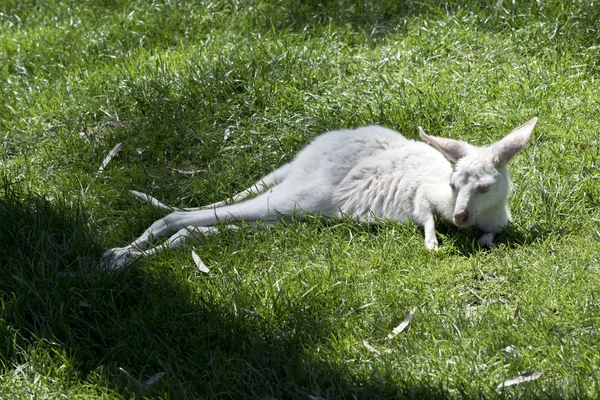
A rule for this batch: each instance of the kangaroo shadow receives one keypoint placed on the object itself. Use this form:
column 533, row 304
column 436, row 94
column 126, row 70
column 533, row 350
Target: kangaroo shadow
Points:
column 464, row 242
column 145, row 331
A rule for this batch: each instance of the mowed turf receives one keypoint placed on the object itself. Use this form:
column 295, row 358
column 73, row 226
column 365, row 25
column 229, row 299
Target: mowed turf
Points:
column 230, row 90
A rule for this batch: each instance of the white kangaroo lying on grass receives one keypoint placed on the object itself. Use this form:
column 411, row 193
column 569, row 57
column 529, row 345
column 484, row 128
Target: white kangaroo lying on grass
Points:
column 369, row 173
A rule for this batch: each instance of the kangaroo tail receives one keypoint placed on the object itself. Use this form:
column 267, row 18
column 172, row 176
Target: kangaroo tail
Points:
column 259, row 187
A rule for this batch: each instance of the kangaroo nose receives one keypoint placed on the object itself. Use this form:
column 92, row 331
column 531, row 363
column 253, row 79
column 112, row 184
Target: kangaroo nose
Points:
column 461, row 218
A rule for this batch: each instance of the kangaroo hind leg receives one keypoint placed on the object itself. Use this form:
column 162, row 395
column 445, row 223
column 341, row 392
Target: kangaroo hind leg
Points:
column 284, row 200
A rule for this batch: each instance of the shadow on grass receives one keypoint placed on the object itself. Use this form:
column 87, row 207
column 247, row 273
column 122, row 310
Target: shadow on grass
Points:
column 576, row 21
column 125, row 327
column 464, row 241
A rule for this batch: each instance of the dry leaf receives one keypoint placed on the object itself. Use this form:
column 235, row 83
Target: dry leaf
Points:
column 155, row 378
column 397, row 330
column 235, row 147
column 584, row 146
column 250, row 312
column 476, row 295
column 498, row 6
column 114, row 151
column 386, row 60
column 146, row 198
column 525, row 377
column 199, row 263
column 83, row 304
column 371, row 348
column 183, row 172
column 86, row 133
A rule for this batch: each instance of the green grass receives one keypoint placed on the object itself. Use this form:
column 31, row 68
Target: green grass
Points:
column 284, row 311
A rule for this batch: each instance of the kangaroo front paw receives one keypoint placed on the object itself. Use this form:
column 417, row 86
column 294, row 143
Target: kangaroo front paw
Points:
column 431, row 244
column 118, row 257
column 487, row 240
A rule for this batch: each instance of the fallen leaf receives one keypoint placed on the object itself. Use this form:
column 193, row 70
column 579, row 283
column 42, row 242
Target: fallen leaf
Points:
column 114, row 151
column 183, row 172
column 498, row 6
column 525, row 377
column 370, row 348
column 83, row 304
column 386, row 60
column 250, row 312
column 86, row 133
column 235, row 147
column 476, row 295
column 397, row 330
column 585, row 146
column 516, row 312
column 155, row 378
column 199, row 263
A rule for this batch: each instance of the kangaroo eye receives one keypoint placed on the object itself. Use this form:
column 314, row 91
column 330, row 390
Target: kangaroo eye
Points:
column 483, row 189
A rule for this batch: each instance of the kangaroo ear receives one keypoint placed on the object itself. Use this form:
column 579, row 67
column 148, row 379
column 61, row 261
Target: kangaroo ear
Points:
column 511, row 144
column 452, row 149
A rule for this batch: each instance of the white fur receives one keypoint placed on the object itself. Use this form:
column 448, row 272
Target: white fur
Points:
column 369, row 173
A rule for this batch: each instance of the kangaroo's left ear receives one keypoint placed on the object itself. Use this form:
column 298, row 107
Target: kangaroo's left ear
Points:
column 511, row 144
column 452, row 149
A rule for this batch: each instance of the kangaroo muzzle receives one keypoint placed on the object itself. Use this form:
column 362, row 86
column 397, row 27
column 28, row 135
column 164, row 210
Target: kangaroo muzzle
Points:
column 461, row 218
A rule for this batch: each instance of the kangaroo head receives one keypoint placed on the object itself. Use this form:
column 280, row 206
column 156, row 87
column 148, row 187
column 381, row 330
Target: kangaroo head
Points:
column 480, row 180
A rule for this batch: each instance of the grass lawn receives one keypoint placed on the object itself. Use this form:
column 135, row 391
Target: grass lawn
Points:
column 232, row 89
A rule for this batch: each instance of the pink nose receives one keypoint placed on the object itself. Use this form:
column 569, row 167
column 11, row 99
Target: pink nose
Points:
column 461, row 218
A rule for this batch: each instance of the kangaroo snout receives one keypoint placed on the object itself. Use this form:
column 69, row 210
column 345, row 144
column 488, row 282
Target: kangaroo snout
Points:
column 461, row 218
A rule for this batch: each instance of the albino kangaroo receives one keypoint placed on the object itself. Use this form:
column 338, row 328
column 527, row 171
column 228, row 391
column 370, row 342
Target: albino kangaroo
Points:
column 369, row 173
